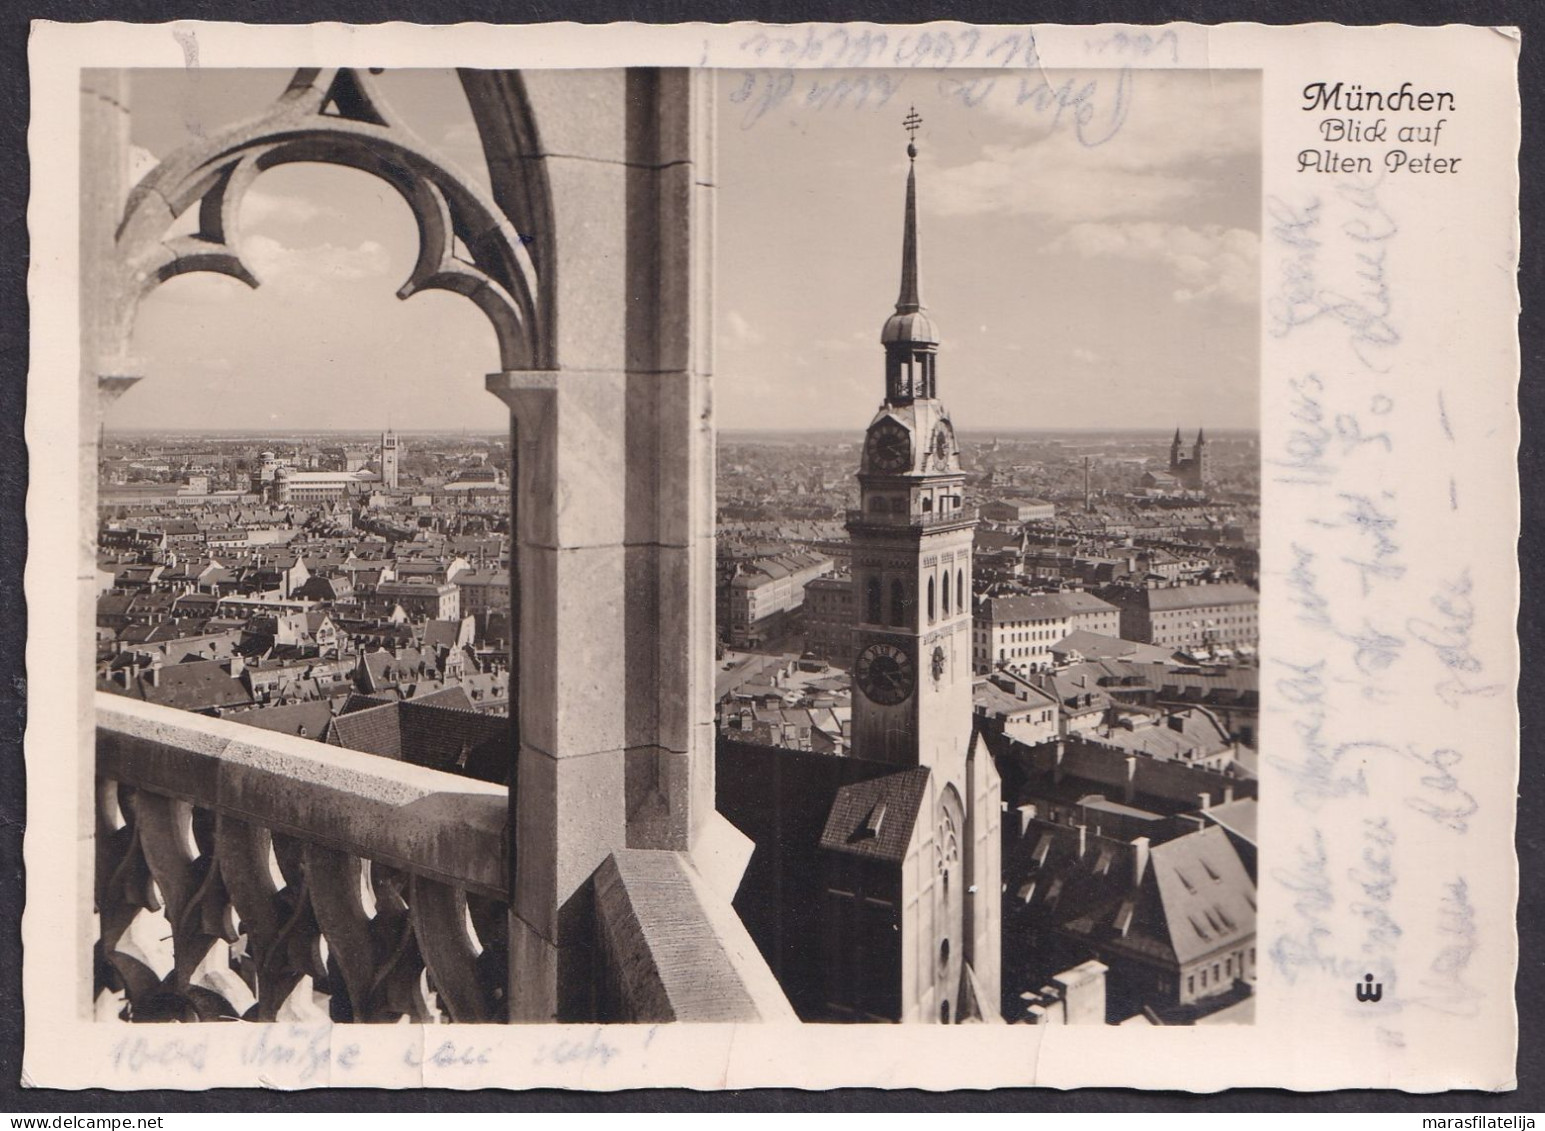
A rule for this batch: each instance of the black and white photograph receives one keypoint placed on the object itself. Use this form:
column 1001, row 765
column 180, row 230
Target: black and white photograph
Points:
column 828, row 532
column 984, row 686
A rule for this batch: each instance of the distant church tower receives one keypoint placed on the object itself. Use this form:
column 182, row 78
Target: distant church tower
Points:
column 912, row 542
column 1195, row 471
column 389, row 459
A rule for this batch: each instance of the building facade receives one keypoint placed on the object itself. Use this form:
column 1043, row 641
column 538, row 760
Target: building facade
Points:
column 1021, row 631
column 754, row 601
column 829, row 616
column 1189, row 616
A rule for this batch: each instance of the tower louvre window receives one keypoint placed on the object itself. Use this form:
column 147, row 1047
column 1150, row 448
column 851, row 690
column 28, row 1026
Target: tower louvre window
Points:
column 930, row 601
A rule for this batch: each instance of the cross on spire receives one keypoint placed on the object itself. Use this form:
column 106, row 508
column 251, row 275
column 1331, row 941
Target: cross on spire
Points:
column 912, row 123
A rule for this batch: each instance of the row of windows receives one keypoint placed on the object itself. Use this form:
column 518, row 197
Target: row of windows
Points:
column 1222, row 973
column 901, row 605
column 901, row 504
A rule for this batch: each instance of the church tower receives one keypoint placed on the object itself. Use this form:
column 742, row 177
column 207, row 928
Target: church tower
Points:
column 912, row 543
column 389, row 459
column 1201, row 465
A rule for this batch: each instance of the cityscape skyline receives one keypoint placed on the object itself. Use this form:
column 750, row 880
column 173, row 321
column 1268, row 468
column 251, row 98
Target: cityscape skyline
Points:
column 977, row 705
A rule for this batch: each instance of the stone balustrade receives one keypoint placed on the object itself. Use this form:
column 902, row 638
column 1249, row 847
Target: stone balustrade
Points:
column 271, row 859
column 928, row 521
column 242, row 873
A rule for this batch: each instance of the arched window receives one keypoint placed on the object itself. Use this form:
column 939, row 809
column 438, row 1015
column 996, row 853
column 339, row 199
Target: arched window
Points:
column 960, row 589
column 873, row 615
column 946, row 593
column 930, row 601
column 898, row 603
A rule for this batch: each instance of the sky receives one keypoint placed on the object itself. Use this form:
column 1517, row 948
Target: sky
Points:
column 1088, row 245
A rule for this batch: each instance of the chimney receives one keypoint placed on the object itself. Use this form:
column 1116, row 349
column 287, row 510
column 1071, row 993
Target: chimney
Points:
column 1206, row 797
column 238, row 665
column 155, row 673
column 1056, row 771
column 1139, row 859
column 1129, row 792
column 1083, row 840
column 1228, row 794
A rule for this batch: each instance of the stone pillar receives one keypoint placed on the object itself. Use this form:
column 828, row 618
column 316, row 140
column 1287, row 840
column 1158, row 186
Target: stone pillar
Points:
column 103, row 346
column 613, row 499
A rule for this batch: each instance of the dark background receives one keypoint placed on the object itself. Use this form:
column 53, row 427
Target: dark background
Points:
column 14, row 175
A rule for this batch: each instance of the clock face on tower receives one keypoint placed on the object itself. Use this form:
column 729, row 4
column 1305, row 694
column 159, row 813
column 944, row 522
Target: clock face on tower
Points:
column 884, row 673
column 890, row 447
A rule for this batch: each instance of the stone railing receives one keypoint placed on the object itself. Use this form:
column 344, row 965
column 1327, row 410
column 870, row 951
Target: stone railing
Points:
column 271, row 860
column 928, row 521
column 242, row 873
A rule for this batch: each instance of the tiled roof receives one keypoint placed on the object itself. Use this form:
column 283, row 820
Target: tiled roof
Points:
column 356, row 702
column 374, row 731
column 426, row 733
column 289, row 719
column 875, row 818
column 453, row 697
column 194, row 687
column 441, row 633
column 1199, row 596
column 458, row 741
column 1043, row 606
column 1098, row 646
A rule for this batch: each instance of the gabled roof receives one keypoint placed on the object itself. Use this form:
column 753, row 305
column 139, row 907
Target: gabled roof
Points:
column 1238, row 817
column 1208, row 898
column 308, row 719
column 428, row 732
column 374, row 731
column 196, row 686
column 875, row 818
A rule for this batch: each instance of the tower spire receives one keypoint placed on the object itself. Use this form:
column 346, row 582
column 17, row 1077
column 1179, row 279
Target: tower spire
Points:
column 908, row 301
column 909, row 337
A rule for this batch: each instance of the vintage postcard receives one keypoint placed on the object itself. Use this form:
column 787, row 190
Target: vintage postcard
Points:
column 741, row 555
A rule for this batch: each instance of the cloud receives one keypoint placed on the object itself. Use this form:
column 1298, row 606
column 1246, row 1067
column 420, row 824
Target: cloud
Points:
column 1040, row 181
column 741, row 332
column 1088, row 357
column 1207, row 261
column 1181, row 134
column 308, row 270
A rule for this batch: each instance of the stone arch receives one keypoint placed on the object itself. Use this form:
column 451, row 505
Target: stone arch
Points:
column 337, row 117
